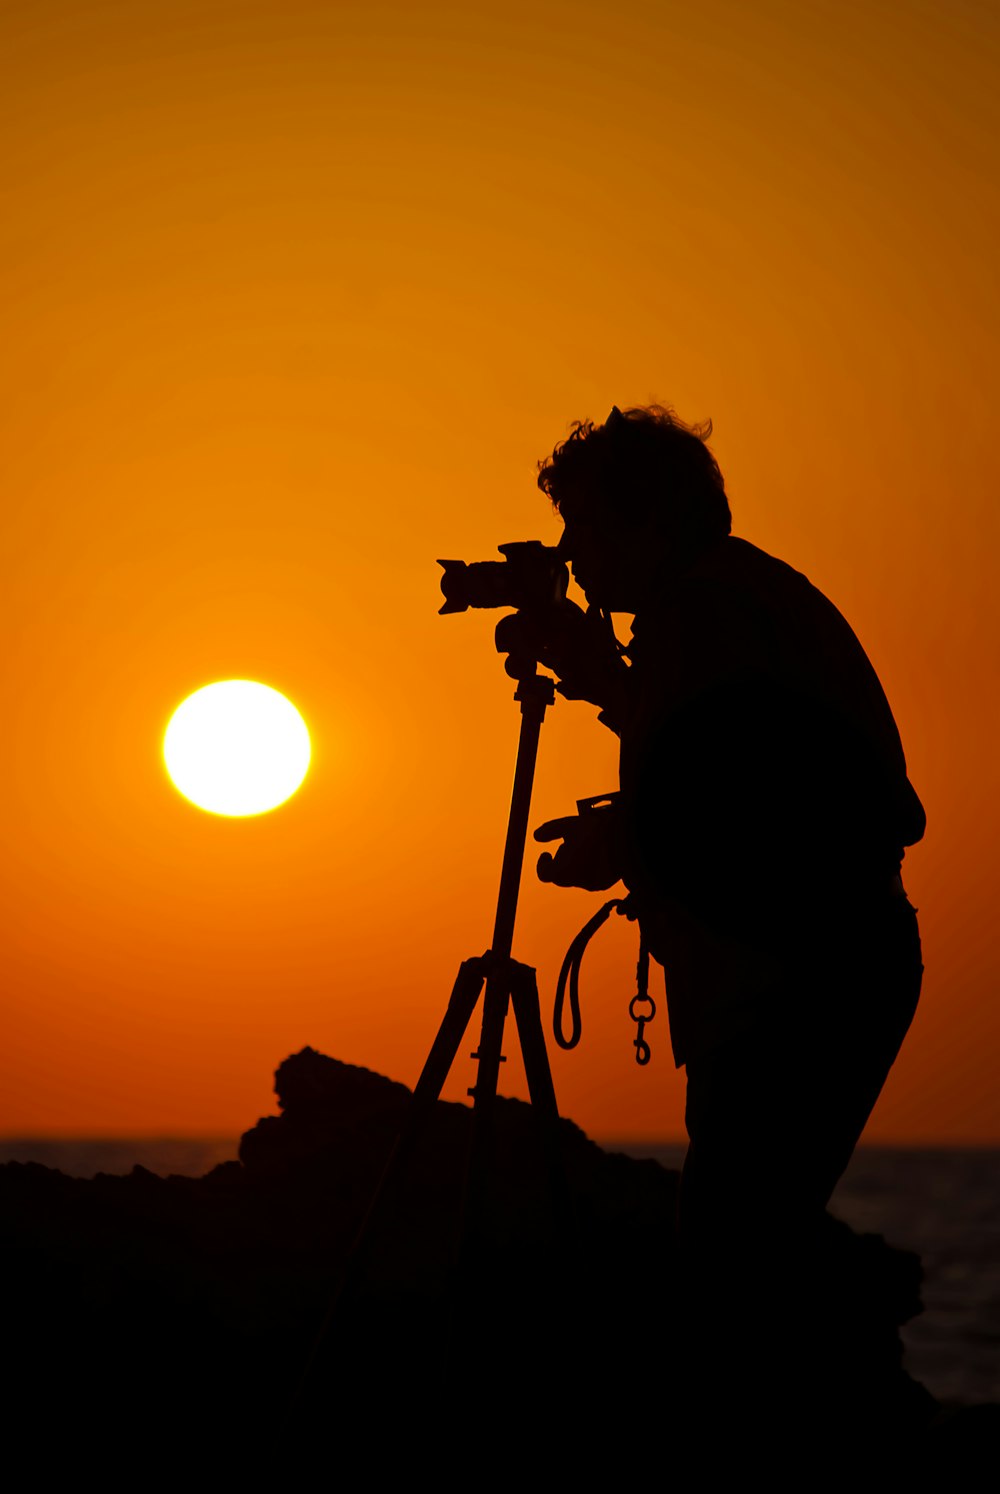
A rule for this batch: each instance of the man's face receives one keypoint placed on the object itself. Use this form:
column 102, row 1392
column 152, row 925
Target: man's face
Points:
column 607, row 562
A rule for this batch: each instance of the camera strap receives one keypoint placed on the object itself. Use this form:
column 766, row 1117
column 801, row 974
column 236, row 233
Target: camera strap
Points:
column 642, row 1007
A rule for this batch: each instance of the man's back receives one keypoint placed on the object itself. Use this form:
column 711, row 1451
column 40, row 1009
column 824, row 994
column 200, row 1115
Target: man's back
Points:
column 763, row 778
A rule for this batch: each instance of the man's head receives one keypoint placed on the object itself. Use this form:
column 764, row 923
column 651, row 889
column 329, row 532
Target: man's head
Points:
column 641, row 496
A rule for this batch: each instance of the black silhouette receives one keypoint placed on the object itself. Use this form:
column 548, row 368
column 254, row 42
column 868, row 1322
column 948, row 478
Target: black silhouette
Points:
column 154, row 1320
column 760, row 827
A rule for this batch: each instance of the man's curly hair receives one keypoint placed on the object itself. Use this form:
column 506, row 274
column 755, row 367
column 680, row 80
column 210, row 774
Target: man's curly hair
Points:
column 640, row 462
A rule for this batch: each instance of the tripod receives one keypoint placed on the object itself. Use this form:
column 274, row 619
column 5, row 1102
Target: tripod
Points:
column 507, row 983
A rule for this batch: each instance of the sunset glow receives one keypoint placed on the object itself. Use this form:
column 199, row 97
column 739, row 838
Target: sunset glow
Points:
column 295, row 298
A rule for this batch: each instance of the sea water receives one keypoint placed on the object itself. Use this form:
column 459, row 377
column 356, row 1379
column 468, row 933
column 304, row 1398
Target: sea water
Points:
column 944, row 1204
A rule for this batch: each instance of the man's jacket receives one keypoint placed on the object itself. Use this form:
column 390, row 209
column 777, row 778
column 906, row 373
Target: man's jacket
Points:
column 764, row 788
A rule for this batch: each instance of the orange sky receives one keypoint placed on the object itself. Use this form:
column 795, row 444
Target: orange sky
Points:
column 294, row 298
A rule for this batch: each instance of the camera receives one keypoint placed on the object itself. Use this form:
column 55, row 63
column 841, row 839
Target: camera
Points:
column 530, row 575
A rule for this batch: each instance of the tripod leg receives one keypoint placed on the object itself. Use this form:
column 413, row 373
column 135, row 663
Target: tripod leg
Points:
column 444, row 1050
column 489, row 1057
column 489, row 1054
column 427, row 1091
column 513, row 984
column 527, row 1014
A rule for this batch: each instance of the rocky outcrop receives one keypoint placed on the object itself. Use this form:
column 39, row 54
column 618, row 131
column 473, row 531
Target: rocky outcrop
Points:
column 195, row 1304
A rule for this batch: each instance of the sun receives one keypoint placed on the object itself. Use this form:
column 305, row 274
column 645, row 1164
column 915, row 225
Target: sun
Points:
column 236, row 748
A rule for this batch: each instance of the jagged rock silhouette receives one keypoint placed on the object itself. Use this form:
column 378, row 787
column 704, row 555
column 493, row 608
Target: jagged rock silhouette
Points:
column 194, row 1302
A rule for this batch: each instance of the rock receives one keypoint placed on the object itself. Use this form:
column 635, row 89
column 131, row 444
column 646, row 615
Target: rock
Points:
column 142, row 1299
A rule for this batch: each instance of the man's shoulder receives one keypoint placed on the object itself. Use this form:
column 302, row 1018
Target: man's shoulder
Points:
column 740, row 611
column 714, row 622
column 782, row 624
column 735, row 560
column 734, row 584
column 742, row 578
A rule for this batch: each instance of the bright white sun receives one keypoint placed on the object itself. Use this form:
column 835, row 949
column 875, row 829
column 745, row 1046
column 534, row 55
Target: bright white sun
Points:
column 236, row 748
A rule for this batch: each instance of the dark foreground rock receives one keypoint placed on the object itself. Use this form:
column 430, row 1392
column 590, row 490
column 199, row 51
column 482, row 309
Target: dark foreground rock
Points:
column 177, row 1318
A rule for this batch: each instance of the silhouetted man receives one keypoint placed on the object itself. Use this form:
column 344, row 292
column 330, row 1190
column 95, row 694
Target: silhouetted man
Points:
column 761, row 825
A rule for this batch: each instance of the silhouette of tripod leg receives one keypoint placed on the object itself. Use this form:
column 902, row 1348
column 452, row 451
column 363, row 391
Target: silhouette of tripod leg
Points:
column 510, row 984
column 528, row 1016
column 427, row 1091
column 489, row 1057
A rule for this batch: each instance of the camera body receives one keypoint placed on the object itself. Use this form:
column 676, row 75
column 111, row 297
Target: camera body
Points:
column 530, row 575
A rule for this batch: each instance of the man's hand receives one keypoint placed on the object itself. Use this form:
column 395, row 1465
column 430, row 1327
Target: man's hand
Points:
column 579, row 647
column 590, row 855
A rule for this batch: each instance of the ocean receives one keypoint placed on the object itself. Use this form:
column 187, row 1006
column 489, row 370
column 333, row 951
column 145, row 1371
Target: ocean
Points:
column 943, row 1203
